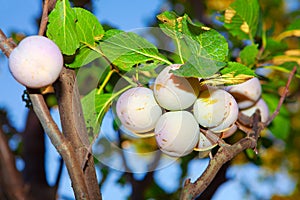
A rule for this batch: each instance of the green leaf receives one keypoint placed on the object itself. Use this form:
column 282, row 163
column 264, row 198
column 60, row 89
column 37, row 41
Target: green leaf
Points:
column 241, row 18
column 61, row 28
column 280, row 126
column 233, row 73
column 248, row 55
column 94, row 107
column 128, row 49
column 88, row 27
column 236, row 69
column 199, row 66
column 83, row 56
column 202, row 50
column 295, row 25
column 274, row 47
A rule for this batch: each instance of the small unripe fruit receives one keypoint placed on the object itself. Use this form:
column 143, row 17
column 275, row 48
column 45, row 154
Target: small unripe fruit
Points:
column 138, row 110
column 215, row 109
column 177, row 133
column 173, row 92
column 36, row 62
column 263, row 108
column 247, row 93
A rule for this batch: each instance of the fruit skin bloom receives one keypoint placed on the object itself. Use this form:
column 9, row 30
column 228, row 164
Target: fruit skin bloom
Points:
column 247, row 93
column 173, row 92
column 36, row 62
column 137, row 110
column 177, row 133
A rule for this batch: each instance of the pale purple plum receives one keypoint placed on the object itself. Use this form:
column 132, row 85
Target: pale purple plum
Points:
column 36, row 62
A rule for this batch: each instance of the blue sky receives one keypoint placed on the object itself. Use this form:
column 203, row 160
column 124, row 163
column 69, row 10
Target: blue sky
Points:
column 20, row 15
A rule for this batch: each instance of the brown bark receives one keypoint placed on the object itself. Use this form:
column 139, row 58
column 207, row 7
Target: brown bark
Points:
column 74, row 127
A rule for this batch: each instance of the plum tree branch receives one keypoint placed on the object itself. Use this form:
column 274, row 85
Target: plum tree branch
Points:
column 224, row 154
column 50, row 127
column 61, row 144
column 74, row 127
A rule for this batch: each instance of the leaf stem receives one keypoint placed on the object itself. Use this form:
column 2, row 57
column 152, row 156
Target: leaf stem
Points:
column 110, row 73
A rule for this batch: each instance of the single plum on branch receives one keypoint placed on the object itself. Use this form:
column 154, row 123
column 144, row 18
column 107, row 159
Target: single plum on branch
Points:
column 36, row 62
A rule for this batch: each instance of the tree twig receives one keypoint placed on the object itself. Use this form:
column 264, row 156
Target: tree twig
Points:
column 6, row 44
column 283, row 96
column 61, row 144
column 44, row 19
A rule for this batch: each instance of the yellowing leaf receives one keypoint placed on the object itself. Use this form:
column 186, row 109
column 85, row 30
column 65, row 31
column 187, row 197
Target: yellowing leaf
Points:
column 278, row 60
column 227, row 79
column 241, row 18
column 229, row 14
column 245, row 28
column 292, row 52
column 290, row 33
column 219, row 4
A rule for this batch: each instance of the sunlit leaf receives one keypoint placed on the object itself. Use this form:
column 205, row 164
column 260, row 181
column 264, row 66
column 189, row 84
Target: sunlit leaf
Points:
column 241, row 18
column 83, row 56
column 236, row 69
column 61, row 28
column 94, row 107
column 88, row 27
column 248, row 55
column 233, row 73
column 128, row 49
column 201, row 50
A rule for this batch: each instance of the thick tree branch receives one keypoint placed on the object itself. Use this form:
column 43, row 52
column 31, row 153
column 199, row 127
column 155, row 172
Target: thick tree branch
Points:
column 11, row 178
column 224, row 154
column 71, row 115
column 58, row 140
column 74, row 127
column 62, row 145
